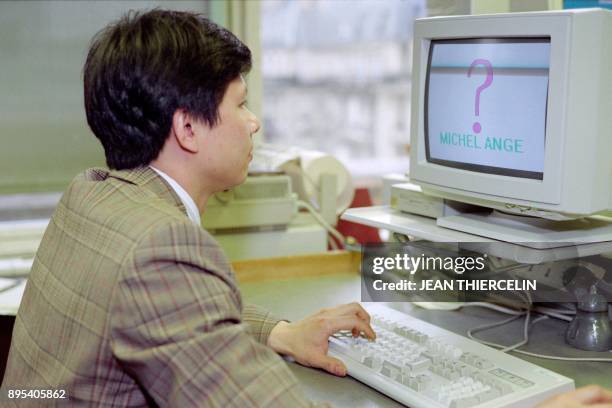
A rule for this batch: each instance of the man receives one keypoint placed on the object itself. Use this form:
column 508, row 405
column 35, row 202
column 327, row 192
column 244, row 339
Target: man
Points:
column 129, row 302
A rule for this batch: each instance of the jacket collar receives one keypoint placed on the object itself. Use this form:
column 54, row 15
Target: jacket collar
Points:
column 149, row 179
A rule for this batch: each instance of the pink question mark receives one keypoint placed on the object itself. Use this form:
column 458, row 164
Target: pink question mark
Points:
column 476, row 126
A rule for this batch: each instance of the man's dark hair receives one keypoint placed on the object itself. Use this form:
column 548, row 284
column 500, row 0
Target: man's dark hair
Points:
column 142, row 68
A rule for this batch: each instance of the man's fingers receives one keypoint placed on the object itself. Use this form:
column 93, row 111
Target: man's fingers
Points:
column 592, row 394
column 352, row 323
column 329, row 364
column 354, row 308
column 363, row 315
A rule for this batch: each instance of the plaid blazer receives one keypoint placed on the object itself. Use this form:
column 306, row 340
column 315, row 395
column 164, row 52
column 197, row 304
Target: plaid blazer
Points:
column 131, row 304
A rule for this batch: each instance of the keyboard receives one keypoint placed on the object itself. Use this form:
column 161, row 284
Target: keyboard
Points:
column 424, row 366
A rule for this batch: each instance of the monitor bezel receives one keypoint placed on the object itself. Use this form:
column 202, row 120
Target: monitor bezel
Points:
column 486, row 186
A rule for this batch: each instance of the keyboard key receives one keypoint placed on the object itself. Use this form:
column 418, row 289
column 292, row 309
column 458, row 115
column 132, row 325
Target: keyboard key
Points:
column 386, row 371
column 392, row 366
column 483, row 364
column 372, row 362
column 420, row 364
column 435, row 358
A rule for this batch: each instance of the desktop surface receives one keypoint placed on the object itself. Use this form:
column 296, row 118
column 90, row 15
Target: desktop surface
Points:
column 294, row 298
column 272, row 286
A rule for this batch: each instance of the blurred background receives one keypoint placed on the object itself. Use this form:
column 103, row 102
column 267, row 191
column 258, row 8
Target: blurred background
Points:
column 330, row 75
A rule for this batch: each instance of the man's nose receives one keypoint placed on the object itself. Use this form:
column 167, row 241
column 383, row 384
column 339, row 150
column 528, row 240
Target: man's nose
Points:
column 255, row 124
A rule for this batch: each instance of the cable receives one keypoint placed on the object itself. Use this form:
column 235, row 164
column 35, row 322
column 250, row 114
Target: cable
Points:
column 550, row 312
column 546, row 313
column 490, row 326
column 544, row 356
column 525, row 333
column 554, row 314
column 307, row 178
column 332, row 231
column 513, row 347
column 471, row 332
column 493, row 306
column 593, row 359
column 526, row 327
column 560, row 311
column 332, row 242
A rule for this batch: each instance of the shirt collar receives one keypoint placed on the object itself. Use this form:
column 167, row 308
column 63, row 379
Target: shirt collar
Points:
column 190, row 205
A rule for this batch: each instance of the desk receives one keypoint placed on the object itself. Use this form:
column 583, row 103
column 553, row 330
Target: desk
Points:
column 295, row 297
column 294, row 287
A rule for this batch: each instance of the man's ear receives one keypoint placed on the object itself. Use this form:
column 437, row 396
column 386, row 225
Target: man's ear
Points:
column 183, row 130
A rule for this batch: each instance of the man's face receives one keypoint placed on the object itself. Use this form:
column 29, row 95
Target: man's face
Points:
column 228, row 147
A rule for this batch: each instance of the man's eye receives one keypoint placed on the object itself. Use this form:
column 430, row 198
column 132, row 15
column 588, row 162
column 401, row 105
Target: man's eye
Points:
column 243, row 104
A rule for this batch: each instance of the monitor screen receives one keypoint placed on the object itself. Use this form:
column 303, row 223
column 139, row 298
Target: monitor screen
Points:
column 485, row 105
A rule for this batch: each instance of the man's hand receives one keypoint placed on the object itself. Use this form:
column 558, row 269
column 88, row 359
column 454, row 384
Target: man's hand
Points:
column 306, row 341
column 591, row 396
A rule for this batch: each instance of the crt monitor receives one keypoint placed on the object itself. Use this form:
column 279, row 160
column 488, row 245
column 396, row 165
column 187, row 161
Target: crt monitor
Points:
column 513, row 111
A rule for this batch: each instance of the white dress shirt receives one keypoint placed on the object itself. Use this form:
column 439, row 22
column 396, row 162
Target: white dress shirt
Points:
column 190, row 205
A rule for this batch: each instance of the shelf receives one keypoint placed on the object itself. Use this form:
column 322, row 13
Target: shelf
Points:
column 384, row 217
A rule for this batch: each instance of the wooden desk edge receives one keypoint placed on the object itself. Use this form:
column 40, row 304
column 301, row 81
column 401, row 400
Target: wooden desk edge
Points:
column 326, row 263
